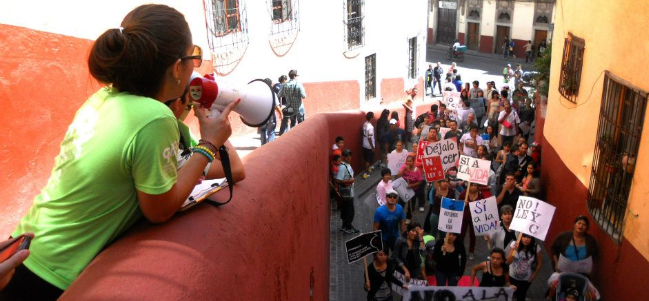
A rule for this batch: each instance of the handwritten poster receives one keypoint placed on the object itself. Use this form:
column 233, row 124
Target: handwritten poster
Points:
column 446, row 149
column 532, row 217
column 450, row 216
column 458, row 293
column 484, row 214
column 412, row 283
column 473, row 170
column 433, row 169
column 452, row 101
column 401, row 187
column 420, row 151
column 443, row 131
column 396, row 160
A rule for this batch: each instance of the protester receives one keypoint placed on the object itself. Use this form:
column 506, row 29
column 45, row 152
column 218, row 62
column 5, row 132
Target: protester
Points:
column 126, row 144
column 458, row 82
column 493, row 109
column 509, row 120
column 433, row 135
column 368, row 144
column 495, row 271
column 517, row 160
column 450, row 259
column 454, row 132
column 490, row 134
column 531, row 183
column 437, row 78
column 418, row 132
column 384, row 186
column 335, row 166
column 410, row 113
column 508, row 193
column 345, row 180
column 390, row 219
column 501, row 157
column 574, row 246
column 409, row 249
column 535, row 152
column 294, row 93
column 414, row 177
column 470, row 141
column 474, row 194
column 469, row 121
column 519, row 96
column 380, row 274
column 382, row 127
column 399, row 149
column 393, row 135
column 526, row 114
column 502, row 238
column 521, row 260
column 435, row 195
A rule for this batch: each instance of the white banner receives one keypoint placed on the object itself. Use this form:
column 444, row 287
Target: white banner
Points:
column 484, row 214
column 401, row 187
column 472, row 293
column 396, row 160
column 452, row 101
column 474, row 170
column 450, row 216
column 532, row 217
column 446, row 149
column 411, row 284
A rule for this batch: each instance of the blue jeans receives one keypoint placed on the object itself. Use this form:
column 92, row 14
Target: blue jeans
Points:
column 443, row 277
column 267, row 133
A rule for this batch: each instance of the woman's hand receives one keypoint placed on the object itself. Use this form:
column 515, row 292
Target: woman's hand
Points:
column 216, row 129
column 367, row 285
column 407, row 274
column 8, row 266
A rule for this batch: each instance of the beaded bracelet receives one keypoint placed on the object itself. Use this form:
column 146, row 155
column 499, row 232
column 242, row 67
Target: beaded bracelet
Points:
column 208, row 146
column 206, row 150
column 204, row 153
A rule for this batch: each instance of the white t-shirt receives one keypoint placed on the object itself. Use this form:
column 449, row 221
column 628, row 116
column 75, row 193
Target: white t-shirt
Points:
column 512, row 119
column 468, row 142
column 521, row 267
column 368, row 132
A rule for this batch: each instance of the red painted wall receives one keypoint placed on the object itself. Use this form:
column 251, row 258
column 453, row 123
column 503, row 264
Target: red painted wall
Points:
column 620, row 269
column 487, row 44
column 519, row 48
column 460, row 36
column 431, row 37
column 393, row 89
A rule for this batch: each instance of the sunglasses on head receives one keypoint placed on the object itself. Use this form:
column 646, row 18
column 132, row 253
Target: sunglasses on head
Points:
column 393, row 196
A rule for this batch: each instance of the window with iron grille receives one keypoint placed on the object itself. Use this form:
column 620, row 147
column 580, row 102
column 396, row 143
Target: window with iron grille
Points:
column 370, row 76
column 618, row 139
column 281, row 10
column 573, row 57
column 412, row 57
column 225, row 17
column 355, row 32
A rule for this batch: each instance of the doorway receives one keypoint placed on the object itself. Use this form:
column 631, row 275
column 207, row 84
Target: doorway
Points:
column 446, row 19
column 473, row 32
column 502, row 33
column 539, row 35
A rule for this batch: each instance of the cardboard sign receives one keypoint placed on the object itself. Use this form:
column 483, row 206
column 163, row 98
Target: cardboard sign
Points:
column 364, row 244
column 450, row 216
column 412, row 283
column 420, row 151
column 452, row 101
column 473, row 293
column 474, row 170
column 433, row 169
column 446, row 149
column 484, row 214
column 401, row 187
column 443, row 131
column 532, row 217
column 478, row 106
column 396, row 160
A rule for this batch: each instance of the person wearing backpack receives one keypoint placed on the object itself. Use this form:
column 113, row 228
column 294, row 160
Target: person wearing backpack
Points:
column 345, row 179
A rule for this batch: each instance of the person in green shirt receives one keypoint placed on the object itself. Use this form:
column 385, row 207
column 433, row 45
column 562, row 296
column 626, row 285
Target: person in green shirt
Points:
column 118, row 159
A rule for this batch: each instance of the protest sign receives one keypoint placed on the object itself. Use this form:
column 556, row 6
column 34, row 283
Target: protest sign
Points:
column 478, row 106
column 473, row 170
column 446, row 149
column 362, row 245
column 401, row 187
column 412, row 283
column 452, row 101
column 472, row 293
column 443, row 131
column 420, row 151
column 484, row 214
column 396, row 160
column 433, row 169
column 584, row 266
column 532, row 217
column 450, row 216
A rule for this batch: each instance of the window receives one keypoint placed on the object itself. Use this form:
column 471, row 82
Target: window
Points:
column 370, row 76
column 355, row 23
column 281, row 10
column 573, row 56
column 616, row 150
column 412, row 58
column 225, row 17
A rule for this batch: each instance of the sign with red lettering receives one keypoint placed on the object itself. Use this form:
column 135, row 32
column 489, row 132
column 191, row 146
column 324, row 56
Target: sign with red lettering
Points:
column 433, row 169
column 420, row 151
column 473, row 170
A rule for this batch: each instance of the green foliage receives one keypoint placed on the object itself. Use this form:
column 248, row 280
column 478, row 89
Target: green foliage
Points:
column 542, row 65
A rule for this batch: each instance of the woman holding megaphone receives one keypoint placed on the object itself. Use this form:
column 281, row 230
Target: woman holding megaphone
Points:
column 118, row 160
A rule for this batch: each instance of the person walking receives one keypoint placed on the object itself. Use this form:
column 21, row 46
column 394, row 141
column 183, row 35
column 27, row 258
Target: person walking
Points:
column 345, row 180
column 380, row 274
column 368, row 144
column 521, row 260
column 294, row 93
column 528, row 51
column 437, row 74
column 409, row 250
column 450, row 258
column 390, row 219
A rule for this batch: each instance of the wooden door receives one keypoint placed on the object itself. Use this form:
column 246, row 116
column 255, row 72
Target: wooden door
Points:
column 473, row 41
column 446, row 30
column 502, row 33
column 539, row 35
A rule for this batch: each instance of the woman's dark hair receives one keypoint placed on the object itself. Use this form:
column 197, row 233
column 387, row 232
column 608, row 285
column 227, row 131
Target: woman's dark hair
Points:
column 339, row 138
column 583, row 218
column 536, row 173
column 135, row 57
column 530, row 251
column 498, row 251
column 282, row 79
column 394, row 115
column 336, row 157
column 385, row 171
column 384, row 114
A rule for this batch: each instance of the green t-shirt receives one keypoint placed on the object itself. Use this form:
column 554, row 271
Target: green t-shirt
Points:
column 116, row 145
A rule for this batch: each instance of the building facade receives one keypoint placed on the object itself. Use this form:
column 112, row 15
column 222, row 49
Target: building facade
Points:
column 595, row 144
column 483, row 25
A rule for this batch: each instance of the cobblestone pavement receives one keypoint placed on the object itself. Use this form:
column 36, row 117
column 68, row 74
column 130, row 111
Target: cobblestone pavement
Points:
column 346, row 280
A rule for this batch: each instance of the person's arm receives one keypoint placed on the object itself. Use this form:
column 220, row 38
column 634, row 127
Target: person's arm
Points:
column 512, row 253
column 342, row 171
column 278, row 109
column 475, row 269
column 216, row 168
column 501, row 194
column 539, row 264
column 302, row 91
column 8, row 266
column 376, row 226
column 502, row 117
column 158, row 208
column 534, row 187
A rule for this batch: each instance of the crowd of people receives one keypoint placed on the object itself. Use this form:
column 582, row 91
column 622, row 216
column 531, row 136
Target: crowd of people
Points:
column 499, row 133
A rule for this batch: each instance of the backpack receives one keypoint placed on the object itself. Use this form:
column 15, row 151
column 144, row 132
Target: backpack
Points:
column 420, row 119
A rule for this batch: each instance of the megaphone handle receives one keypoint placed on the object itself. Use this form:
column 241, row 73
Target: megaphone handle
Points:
column 227, row 169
